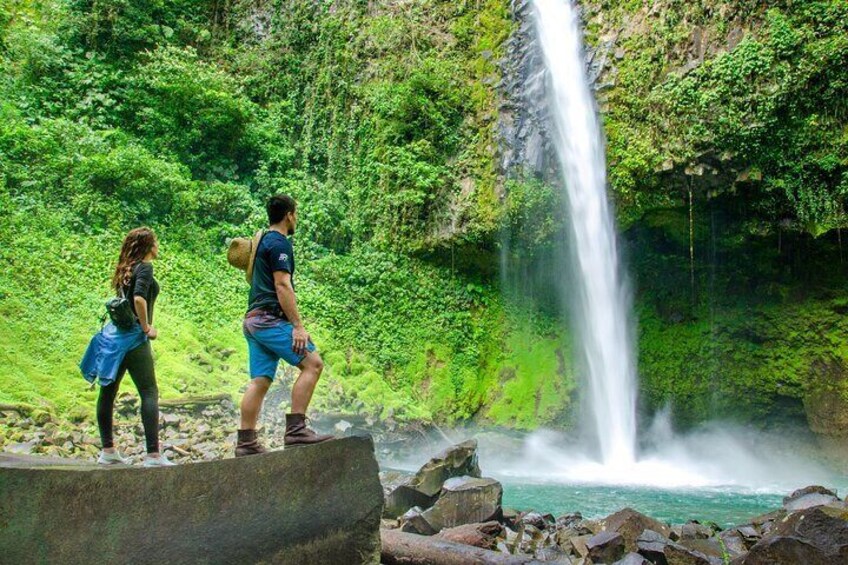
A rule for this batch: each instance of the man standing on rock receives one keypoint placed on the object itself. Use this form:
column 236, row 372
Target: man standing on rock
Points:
column 274, row 330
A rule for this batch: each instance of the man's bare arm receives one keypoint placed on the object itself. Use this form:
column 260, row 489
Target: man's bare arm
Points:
column 288, row 302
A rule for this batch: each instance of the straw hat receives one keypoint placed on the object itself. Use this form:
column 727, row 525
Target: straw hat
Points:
column 242, row 253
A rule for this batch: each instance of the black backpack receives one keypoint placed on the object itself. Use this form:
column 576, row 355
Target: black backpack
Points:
column 120, row 311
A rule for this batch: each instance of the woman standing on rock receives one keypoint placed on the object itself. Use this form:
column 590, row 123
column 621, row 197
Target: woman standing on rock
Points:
column 114, row 350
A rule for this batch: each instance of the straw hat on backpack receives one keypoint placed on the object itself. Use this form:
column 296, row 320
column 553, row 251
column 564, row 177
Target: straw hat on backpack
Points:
column 242, row 253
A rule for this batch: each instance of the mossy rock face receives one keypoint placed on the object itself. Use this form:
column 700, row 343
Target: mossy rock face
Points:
column 42, row 417
column 826, row 402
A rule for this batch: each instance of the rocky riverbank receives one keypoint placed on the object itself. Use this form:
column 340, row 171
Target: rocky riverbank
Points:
column 448, row 499
column 451, row 501
column 191, row 429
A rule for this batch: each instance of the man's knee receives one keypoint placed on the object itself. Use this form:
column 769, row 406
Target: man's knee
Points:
column 260, row 384
column 314, row 363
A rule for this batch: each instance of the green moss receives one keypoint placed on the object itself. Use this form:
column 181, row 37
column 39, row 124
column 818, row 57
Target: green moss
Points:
column 536, row 383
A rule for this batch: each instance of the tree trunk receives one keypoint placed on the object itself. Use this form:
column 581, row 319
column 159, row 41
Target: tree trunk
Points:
column 402, row 548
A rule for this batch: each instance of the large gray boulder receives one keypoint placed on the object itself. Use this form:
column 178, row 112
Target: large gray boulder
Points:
column 317, row 504
column 424, row 487
column 465, row 500
column 809, row 497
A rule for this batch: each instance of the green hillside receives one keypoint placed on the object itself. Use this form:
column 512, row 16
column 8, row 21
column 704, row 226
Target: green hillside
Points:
column 728, row 152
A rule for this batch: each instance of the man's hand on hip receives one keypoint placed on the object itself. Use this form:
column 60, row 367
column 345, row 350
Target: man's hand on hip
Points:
column 300, row 337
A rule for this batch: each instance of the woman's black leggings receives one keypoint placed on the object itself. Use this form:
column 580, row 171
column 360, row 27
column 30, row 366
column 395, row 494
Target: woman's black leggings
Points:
column 139, row 362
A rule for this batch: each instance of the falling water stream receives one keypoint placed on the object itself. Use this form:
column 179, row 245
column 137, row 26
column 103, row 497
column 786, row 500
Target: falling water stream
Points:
column 716, row 472
column 602, row 303
column 732, row 459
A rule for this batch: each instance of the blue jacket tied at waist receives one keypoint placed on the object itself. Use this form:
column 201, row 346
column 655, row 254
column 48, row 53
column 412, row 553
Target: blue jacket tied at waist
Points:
column 106, row 352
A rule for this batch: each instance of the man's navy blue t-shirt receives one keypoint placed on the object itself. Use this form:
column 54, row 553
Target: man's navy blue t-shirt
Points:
column 275, row 253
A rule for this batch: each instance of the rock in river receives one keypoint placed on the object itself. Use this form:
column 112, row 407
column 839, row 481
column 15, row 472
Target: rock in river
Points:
column 424, row 487
column 465, row 500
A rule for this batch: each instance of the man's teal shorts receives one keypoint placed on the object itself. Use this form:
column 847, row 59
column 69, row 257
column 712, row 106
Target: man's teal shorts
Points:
column 267, row 345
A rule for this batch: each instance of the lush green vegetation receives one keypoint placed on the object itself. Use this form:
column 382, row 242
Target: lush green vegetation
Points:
column 737, row 111
column 732, row 85
column 185, row 115
column 380, row 117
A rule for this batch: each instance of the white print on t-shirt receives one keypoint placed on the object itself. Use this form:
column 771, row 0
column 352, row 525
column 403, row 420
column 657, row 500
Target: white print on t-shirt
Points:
column 284, row 257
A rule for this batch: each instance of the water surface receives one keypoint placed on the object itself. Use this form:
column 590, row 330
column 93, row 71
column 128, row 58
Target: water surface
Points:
column 725, row 507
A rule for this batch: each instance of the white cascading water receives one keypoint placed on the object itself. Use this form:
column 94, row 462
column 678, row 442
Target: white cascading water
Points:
column 603, row 304
column 716, row 456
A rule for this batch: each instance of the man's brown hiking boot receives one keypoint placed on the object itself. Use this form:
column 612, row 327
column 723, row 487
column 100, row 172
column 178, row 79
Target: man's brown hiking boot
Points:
column 297, row 433
column 248, row 443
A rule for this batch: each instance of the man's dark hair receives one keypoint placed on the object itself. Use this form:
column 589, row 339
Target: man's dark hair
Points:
column 278, row 207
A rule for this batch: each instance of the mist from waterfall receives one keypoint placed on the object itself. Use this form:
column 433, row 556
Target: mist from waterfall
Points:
column 600, row 298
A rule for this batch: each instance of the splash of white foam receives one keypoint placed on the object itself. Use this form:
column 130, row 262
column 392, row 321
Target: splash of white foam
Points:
column 720, row 457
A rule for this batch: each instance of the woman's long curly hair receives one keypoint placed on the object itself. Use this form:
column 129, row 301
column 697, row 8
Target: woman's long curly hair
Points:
column 135, row 248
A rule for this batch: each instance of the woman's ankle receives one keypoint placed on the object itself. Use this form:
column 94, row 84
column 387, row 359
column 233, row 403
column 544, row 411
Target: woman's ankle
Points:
column 109, row 450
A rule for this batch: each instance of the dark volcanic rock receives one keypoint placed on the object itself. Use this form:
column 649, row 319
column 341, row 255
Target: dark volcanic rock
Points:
column 764, row 523
column 459, row 460
column 510, row 517
column 734, row 542
column 606, row 547
column 780, row 550
column 567, row 520
column 808, row 497
column 709, row 547
column 575, row 545
column 651, row 545
column 812, row 489
column 401, row 497
column 465, row 500
column 695, row 530
column 632, row 559
column 413, row 522
column 676, row 554
column 630, row 524
column 537, row 520
column 814, row 535
column 552, row 554
column 423, row 488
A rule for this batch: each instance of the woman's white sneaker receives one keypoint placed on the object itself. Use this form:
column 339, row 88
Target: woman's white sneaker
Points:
column 113, row 458
column 160, row 461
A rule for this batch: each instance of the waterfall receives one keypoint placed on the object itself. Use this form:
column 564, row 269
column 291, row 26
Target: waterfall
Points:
column 600, row 297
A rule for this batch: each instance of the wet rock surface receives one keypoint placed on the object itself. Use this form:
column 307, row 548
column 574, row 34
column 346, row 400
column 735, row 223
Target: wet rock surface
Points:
column 809, row 528
column 630, row 524
column 423, row 488
column 465, row 500
column 814, row 535
column 605, row 547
